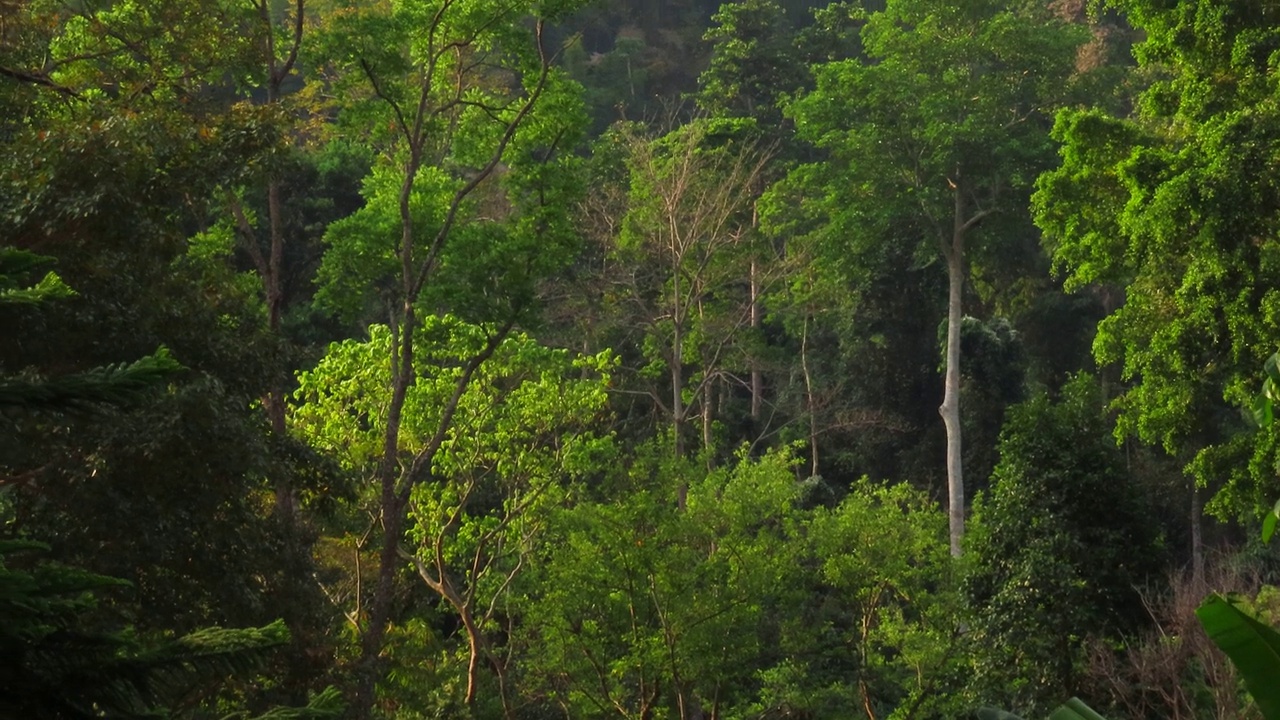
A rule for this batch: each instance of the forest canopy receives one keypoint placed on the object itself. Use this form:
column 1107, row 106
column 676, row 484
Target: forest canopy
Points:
column 691, row 359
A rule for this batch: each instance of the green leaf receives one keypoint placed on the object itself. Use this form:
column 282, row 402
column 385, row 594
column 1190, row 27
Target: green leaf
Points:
column 1269, row 523
column 1269, row 390
column 118, row 383
column 325, row 705
column 1075, row 709
column 1272, row 369
column 1252, row 646
column 990, row 713
column 1262, row 411
column 50, row 287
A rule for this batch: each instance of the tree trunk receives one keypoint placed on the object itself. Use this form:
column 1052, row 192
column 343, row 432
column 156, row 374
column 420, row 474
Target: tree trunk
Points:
column 393, row 508
column 708, row 416
column 808, row 398
column 475, row 644
column 757, row 378
column 1197, row 539
column 272, row 270
column 950, row 409
column 708, row 397
column 677, row 393
column 369, row 666
column 273, row 289
column 677, row 386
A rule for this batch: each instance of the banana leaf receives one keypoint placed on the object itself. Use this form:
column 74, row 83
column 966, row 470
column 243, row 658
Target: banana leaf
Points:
column 1073, row 709
column 1252, row 646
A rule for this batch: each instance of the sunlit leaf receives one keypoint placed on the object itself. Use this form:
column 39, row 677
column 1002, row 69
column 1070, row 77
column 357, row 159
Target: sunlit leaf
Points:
column 1269, row 523
column 1252, row 646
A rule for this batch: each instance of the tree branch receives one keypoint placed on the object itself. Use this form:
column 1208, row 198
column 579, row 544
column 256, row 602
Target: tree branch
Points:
column 249, row 239
column 377, row 90
column 37, row 79
column 446, row 227
column 975, row 219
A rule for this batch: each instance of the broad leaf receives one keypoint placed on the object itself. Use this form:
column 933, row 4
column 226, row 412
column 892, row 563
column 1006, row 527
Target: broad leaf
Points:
column 990, row 713
column 1269, row 523
column 1272, row 370
column 1262, row 411
column 1075, row 709
column 1252, row 646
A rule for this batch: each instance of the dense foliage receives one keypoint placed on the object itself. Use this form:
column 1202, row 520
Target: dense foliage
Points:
column 515, row 359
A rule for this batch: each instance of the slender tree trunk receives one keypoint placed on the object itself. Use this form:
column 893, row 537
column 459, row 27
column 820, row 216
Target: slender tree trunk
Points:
column 274, row 285
column 273, row 289
column 392, row 504
column 1197, row 539
column 677, row 391
column 757, row 377
column 677, row 385
column 950, row 409
column 475, row 645
column 708, row 397
column 677, row 363
column 707, row 418
column 272, row 269
column 369, row 667
column 865, row 693
column 808, row 397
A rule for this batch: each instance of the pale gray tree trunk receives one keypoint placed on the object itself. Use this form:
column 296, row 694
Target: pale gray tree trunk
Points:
column 810, row 403
column 950, row 409
column 953, row 251
column 962, row 222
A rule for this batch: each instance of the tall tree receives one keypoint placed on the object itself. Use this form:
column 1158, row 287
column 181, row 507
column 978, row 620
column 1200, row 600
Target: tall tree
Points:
column 934, row 137
column 521, row 434
column 466, row 209
column 686, row 242
column 277, row 35
column 1173, row 202
column 755, row 63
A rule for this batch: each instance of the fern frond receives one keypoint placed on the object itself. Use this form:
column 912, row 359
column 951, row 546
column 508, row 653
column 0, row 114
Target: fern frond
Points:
column 110, row 384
